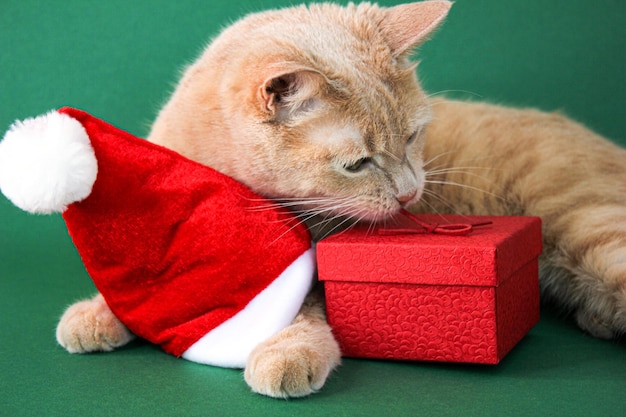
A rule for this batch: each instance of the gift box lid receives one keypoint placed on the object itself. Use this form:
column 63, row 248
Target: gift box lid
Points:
column 486, row 256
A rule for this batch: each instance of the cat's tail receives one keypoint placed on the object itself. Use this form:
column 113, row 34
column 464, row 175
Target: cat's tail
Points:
column 47, row 163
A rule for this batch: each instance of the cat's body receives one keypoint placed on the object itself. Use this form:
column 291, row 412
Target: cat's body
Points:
column 328, row 118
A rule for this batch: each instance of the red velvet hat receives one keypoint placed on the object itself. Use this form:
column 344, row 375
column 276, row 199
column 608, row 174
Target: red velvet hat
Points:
column 184, row 256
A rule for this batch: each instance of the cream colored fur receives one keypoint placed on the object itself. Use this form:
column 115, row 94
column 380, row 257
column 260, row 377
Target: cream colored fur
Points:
column 328, row 118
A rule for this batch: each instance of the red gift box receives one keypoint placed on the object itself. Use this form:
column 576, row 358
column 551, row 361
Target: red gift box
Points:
column 432, row 296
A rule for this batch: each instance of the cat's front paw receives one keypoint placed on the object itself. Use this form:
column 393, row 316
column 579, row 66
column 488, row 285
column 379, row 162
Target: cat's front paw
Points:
column 292, row 363
column 90, row 326
column 603, row 313
column 594, row 325
column 605, row 319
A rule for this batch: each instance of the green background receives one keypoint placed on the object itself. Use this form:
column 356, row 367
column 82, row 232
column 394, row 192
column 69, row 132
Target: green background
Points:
column 119, row 59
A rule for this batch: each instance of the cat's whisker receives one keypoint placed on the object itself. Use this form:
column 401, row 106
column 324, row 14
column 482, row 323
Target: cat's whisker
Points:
column 456, row 170
column 336, row 205
column 470, row 187
column 315, row 198
column 285, row 232
column 307, row 214
column 439, row 198
column 372, row 225
column 451, row 208
column 341, row 226
column 434, row 158
column 391, row 155
column 459, row 171
column 439, row 93
column 290, row 199
column 325, row 206
column 456, row 162
column 354, row 215
column 327, row 216
column 267, row 207
column 295, row 205
column 337, row 227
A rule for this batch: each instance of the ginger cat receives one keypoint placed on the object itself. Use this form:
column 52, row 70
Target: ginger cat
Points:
column 328, row 118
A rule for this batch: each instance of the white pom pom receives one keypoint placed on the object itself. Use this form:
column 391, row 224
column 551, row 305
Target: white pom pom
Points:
column 47, row 163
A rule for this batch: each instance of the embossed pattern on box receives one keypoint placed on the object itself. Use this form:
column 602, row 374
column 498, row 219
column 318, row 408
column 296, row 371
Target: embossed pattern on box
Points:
column 428, row 297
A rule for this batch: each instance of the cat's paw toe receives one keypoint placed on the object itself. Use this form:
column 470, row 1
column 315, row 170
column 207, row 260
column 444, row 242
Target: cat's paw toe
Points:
column 89, row 326
column 284, row 371
column 594, row 325
column 606, row 319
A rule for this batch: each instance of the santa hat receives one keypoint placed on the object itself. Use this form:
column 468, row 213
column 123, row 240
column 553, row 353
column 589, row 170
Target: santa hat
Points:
column 184, row 256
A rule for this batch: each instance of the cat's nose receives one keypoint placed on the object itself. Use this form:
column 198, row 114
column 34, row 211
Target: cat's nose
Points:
column 406, row 197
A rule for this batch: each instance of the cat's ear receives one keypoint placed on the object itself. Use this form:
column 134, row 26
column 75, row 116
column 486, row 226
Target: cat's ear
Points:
column 286, row 92
column 408, row 25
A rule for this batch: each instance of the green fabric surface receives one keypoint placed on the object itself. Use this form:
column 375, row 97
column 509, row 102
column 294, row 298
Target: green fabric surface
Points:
column 119, row 59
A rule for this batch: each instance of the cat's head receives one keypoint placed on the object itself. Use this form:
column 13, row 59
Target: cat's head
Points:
column 315, row 105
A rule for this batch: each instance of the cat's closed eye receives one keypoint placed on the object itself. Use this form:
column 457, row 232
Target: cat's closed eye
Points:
column 358, row 166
